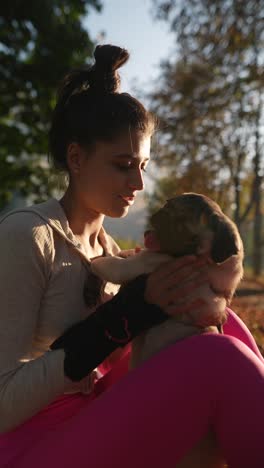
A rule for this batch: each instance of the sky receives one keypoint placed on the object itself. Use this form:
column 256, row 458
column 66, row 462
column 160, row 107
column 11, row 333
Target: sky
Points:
column 130, row 24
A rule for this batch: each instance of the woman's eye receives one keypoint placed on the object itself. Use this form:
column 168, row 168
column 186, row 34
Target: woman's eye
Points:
column 123, row 167
column 129, row 165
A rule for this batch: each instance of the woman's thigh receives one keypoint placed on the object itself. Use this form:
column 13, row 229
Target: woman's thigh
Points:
column 158, row 412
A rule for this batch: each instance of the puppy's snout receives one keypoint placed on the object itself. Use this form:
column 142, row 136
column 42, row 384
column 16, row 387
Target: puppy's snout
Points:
column 209, row 318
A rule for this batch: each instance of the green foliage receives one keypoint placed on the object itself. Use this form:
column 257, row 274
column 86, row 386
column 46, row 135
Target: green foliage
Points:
column 39, row 42
column 126, row 244
column 210, row 104
column 208, row 100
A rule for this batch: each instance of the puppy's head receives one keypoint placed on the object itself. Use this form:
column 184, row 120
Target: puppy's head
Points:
column 192, row 223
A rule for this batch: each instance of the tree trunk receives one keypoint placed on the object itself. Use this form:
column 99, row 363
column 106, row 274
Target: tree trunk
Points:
column 257, row 226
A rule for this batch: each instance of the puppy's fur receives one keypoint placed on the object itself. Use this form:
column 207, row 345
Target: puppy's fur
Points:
column 187, row 224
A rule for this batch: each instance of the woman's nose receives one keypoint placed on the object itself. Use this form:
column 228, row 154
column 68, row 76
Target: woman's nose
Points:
column 136, row 181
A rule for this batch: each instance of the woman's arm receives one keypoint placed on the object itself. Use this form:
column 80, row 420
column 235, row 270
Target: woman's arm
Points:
column 234, row 326
column 119, row 269
column 140, row 304
column 25, row 387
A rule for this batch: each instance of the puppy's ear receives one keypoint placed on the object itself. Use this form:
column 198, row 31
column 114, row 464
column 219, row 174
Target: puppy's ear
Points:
column 226, row 241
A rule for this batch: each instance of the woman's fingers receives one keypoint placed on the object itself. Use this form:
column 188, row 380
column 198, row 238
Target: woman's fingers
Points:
column 175, row 279
column 168, row 275
column 187, row 287
column 169, row 268
column 127, row 253
column 188, row 273
column 173, row 286
column 182, row 294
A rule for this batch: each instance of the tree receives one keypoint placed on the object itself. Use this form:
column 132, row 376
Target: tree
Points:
column 39, row 42
column 210, row 102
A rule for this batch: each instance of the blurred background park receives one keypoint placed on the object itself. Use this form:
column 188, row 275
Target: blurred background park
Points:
column 197, row 64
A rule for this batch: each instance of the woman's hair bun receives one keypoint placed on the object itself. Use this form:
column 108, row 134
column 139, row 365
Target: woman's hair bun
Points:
column 108, row 59
column 102, row 77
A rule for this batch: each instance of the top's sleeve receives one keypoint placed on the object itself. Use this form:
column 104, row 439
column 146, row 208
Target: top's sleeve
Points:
column 25, row 263
column 237, row 328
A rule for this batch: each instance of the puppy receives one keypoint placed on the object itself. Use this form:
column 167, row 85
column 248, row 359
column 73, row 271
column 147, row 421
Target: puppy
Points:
column 187, row 224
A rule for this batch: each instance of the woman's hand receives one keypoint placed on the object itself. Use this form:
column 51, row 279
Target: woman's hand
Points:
column 129, row 252
column 171, row 285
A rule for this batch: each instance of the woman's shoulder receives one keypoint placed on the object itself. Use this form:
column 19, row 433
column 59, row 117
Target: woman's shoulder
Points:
column 25, row 224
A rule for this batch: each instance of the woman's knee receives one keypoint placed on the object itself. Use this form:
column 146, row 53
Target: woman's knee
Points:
column 209, row 350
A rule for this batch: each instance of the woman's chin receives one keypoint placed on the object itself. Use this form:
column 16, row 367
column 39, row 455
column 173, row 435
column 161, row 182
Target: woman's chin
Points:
column 117, row 213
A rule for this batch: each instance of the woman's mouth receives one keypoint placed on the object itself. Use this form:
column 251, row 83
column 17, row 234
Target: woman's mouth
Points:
column 128, row 200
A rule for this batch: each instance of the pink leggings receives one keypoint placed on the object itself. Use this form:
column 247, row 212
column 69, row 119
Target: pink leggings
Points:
column 155, row 414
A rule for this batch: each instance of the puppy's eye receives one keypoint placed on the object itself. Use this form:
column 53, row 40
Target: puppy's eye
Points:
column 223, row 293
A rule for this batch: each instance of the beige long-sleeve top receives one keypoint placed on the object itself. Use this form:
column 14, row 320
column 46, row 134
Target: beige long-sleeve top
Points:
column 43, row 270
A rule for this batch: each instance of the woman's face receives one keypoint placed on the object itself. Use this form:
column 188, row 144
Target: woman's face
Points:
column 106, row 180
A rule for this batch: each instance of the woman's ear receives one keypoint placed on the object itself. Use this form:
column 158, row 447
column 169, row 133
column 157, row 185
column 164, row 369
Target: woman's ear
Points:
column 74, row 157
column 151, row 241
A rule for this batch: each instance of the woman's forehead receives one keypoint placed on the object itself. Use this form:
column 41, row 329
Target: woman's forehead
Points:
column 126, row 145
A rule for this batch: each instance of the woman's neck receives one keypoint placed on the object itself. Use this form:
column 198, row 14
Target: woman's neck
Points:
column 84, row 224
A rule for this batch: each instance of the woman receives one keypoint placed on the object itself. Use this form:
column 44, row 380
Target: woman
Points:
column 58, row 324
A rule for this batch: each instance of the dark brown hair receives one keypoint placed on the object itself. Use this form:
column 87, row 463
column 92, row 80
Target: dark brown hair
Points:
column 89, row 107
